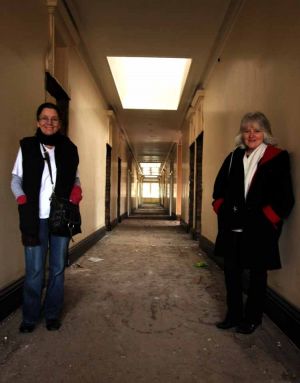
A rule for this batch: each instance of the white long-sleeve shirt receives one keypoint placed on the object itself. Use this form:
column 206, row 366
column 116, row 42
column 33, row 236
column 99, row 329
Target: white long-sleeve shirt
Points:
column 46, row 188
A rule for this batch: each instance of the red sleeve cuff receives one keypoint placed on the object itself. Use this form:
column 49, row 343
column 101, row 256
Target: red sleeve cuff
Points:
column 217, row 204
column 22, row 199
column 76, row 195
column 271, row 215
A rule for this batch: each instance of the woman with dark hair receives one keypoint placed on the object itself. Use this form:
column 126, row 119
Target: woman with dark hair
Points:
column 252, row 196
column 33, row 184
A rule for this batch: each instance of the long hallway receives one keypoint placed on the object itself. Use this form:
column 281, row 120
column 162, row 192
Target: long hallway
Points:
column 137, row 310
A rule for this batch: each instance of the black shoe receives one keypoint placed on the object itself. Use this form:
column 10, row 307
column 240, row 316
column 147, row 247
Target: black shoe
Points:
column 53, row 324
column 246, row 327
column 26, row 328
column 227, row 323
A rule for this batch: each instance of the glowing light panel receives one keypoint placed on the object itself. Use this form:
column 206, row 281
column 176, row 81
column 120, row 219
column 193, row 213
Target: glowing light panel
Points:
column 149, row 82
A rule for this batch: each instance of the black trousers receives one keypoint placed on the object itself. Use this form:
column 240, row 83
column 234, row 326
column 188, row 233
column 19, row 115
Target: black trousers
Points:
column 252, row 310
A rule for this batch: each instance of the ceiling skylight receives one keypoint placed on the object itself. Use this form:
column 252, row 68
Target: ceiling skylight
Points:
column 149, row 82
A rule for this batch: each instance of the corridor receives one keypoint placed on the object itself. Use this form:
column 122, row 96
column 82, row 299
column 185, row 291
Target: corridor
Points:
column 138, row 310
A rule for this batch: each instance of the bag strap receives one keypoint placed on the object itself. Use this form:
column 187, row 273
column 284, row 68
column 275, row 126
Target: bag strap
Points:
column 47, row 159
column 230, row 163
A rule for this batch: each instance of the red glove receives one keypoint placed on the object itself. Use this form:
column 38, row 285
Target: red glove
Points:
column 271, row 215
column 22, row 199
column 217, row 204
column 76, row 195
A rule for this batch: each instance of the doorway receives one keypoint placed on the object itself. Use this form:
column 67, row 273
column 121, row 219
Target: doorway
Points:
column 61, row 98
column 198, row 188
column 108, row 187
column 119, row 190
column 192, row 185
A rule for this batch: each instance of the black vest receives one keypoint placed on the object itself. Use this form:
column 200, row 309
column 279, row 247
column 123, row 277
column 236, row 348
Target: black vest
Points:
column 67, row 160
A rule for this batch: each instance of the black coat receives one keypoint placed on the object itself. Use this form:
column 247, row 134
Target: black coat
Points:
column 269, row 201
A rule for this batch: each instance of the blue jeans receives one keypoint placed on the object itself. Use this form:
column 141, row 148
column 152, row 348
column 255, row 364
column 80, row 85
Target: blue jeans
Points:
column 35, row 260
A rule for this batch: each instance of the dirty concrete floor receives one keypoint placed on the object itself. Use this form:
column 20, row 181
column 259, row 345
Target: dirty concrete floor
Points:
column 137, row 310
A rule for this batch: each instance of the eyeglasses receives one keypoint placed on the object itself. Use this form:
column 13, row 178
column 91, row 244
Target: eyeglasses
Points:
column 52, row 121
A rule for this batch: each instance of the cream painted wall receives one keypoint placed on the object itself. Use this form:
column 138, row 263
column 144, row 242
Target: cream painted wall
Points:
column 165, row 179
column 88, row 129
column 173, row 168
column 134, row 187
column 23, row 43
column 168, row 181
column 124, row 155
column 185, row 173
column 259, row 70
column 179, row 180
column 119, row 150
column 21, row 66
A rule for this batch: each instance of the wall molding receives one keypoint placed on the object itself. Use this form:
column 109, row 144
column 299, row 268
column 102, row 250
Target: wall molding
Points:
column 114, row 223
column 195, row 234
column 184, row 225
column 11, row 298
column 280, row 311
column 124, row 216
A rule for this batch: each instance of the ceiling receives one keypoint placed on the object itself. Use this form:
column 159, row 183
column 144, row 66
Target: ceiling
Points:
column 150, row 28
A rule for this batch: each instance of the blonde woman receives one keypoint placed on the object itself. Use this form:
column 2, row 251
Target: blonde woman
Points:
column 252, row 196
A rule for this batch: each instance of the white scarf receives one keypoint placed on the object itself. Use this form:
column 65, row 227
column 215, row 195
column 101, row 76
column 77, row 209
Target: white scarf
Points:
column 250, row 164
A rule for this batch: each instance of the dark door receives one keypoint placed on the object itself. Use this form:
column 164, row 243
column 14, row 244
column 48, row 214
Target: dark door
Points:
column 119, row 190
column 62, row 100
column 191, row 194
column 198, row 178
column 107, row 187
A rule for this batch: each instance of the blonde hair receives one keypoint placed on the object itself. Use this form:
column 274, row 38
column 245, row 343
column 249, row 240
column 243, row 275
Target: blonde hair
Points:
column 262, row 121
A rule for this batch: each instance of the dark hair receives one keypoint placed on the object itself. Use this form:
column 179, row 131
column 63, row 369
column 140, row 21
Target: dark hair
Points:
column 48, row 105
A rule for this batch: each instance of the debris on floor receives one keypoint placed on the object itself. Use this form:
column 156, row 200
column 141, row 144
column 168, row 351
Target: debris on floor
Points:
column 95, row 259
column 145, row 315
column 201, row 264
column 76, row 266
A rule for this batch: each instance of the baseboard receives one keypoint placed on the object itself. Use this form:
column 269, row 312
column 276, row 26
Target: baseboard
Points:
column 184, row 225
column 285, row 315
column 114, row 223
column 208, row 247
column 173, row 216
column 194, row 234
column 11, row 296
column 79, row 249
column 280, row 311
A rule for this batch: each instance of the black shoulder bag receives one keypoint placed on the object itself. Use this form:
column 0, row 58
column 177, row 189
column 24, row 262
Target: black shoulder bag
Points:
column 64, row 219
